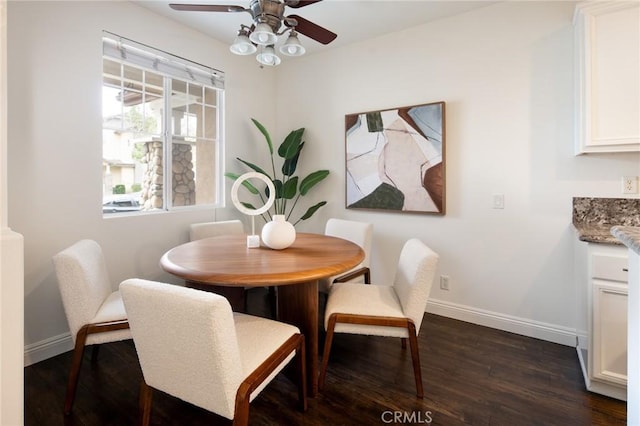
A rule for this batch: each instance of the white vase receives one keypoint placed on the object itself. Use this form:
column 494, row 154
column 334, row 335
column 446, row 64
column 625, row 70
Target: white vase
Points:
column 278, row 234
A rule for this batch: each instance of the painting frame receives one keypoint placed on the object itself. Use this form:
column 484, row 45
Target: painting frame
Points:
column 395, row 159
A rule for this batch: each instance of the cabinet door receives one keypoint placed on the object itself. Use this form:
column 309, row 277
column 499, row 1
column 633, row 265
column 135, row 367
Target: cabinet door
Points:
column 609, row 332
column 608, row 64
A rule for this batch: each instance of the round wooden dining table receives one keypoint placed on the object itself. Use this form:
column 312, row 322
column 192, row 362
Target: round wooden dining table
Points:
column 227, row 266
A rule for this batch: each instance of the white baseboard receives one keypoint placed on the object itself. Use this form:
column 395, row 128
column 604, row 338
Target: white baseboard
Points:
column 47, row 348
column 583, row 339
column 526, row 327
column 56, row 345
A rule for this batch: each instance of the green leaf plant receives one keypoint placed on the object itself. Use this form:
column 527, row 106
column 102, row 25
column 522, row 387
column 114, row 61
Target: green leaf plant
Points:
column 288, row 186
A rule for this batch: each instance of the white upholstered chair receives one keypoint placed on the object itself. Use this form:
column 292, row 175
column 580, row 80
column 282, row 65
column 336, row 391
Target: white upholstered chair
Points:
column 360, row 233
column 394, row 310
column 198, row 231
column 94, row 311
column 193, row 347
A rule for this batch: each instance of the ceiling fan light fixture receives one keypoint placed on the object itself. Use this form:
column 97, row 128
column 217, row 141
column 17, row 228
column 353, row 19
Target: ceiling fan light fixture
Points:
column 263, row 35
column 292, row 46
column 268, row 18
column 268, row 57
column 242, row 45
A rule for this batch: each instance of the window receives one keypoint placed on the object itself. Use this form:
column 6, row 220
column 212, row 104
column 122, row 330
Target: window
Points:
column 161, row 130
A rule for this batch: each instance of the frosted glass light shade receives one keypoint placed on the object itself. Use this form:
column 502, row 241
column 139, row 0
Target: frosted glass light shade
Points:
column 268, row 57
column 242, row 45
column 292, row 47
column 263, row 35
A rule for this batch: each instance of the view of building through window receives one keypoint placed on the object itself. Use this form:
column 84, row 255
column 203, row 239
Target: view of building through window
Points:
column 161, row 139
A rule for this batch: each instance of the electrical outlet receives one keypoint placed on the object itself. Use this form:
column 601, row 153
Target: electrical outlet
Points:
column 444, row 282
column 498, row 201
column 629, row 184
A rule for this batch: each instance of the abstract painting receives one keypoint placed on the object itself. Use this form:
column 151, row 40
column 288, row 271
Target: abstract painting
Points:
column 395, row 159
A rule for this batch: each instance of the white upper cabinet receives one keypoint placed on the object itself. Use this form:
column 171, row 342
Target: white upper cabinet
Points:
column 608, row 76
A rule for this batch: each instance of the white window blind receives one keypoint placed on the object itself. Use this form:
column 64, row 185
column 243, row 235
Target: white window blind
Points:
column 120, row 48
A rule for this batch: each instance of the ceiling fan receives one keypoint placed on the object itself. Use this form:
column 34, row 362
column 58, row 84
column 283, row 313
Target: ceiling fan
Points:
column 268, row 21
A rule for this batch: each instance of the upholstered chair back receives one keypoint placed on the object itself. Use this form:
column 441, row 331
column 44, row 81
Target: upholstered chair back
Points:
column 360, row 233
column 198, row 231
column 84, row 282
column 414, row 277
column 186, row 343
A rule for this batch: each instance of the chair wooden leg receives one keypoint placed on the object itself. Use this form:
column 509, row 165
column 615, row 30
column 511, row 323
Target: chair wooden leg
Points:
column 327, row 350
column 302, row 374
column 74, row 372
column 146, row 396
column 415, row 356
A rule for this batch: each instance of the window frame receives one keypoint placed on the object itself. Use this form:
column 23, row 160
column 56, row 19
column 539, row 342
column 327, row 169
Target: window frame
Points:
column 174, row 69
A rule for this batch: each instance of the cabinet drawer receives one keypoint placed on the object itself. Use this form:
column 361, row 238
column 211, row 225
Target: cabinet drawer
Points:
column 609, row 267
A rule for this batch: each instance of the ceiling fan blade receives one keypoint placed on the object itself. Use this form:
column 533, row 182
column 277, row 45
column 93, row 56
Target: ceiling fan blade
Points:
column 300, row 3
column 208, row 7
column 314, row 31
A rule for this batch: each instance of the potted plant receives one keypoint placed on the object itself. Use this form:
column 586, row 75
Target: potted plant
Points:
column 289, row 188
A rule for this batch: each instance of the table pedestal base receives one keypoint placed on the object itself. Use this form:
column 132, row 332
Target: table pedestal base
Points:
column 298, row 305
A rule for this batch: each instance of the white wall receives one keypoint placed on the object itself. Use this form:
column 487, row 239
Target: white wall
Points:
column 54, row 145
column 506, row 74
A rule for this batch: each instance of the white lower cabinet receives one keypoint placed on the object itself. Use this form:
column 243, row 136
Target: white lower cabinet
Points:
column 603, row 350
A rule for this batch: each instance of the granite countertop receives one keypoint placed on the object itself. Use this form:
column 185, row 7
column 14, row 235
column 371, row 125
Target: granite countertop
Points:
column 596, row 234
column 629, row 236
column 594, row 218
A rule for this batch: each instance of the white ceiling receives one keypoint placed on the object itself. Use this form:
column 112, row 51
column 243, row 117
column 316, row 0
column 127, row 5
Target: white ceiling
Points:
column 351, row 20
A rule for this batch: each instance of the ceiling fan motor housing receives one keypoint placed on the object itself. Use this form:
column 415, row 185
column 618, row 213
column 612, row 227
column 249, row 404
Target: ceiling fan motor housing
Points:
column 269, row 11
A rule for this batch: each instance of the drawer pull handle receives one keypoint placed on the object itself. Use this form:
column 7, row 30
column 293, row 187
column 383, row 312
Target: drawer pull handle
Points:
column 625, row 269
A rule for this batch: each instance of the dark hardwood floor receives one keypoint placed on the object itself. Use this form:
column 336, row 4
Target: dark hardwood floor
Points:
column 472, row 375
